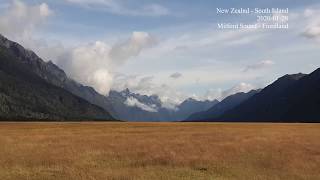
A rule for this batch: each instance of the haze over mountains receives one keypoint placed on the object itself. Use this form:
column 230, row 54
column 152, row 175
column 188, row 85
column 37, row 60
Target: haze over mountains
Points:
column 135, row 107
column 35, row 100
column 32, row 89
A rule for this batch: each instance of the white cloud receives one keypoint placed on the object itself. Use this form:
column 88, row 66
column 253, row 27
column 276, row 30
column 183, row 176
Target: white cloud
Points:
column 132, row 47
column 19, row 20
column 155, row 10
column 259, row 65
column 120, row 8
column 242, row 87
column 176, row 75
column 22, row 23
column 133, row 102
column 133, row 82
column 312, row 17
column 44, row 10
column 191, row 42
column 94, row 64
column 220, row 94
column 312, row 32
column 212, row 94
column 145, row 85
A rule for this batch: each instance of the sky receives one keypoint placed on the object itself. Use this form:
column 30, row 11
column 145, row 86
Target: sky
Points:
column 171, row 48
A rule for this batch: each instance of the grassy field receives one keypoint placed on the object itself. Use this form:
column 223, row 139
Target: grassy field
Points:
column 153, row 151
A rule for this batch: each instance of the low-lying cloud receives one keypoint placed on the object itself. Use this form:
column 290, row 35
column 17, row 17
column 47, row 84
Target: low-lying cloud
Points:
column 242, row 87
column 221, row 94
column 91, row 64
column 94, row 64
column 169, row 96
column 133, row 102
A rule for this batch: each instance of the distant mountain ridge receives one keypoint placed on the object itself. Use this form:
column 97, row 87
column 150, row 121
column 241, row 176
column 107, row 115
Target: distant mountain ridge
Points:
column 134, row 112
column 31, row 89
column 291, row 98
column 191, row 106
column 116, row 103
column 226, row 104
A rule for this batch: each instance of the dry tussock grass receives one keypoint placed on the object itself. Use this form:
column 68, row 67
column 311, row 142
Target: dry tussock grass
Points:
column 128, row 151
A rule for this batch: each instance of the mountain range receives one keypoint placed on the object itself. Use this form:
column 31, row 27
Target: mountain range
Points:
column 135, row 107
column 32, row 89
column 220, row 108
column 291, row 98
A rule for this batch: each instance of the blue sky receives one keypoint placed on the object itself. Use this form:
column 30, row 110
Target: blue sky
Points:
column 69, row 16
column 139, row 44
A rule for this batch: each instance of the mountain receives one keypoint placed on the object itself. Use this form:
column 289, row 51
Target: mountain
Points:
column 226, row 104
column 291, row 98
column 31, row 89
column 121, row 105
column 191, row 106
column 56, row 76
column 135, row 107
column 85, row 92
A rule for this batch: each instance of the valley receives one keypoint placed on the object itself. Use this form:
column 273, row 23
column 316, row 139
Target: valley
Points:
column 131, row 151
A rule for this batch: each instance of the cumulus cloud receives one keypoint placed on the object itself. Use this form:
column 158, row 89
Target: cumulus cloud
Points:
column 259, row 65
column 120, row 8
column 19, row 20
column 133, row 102
column 94, row 64
column 176, row 75
column 22, row 22
column 312, row 30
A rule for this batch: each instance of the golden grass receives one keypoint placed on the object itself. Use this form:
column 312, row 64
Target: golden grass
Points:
column 153, row 151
